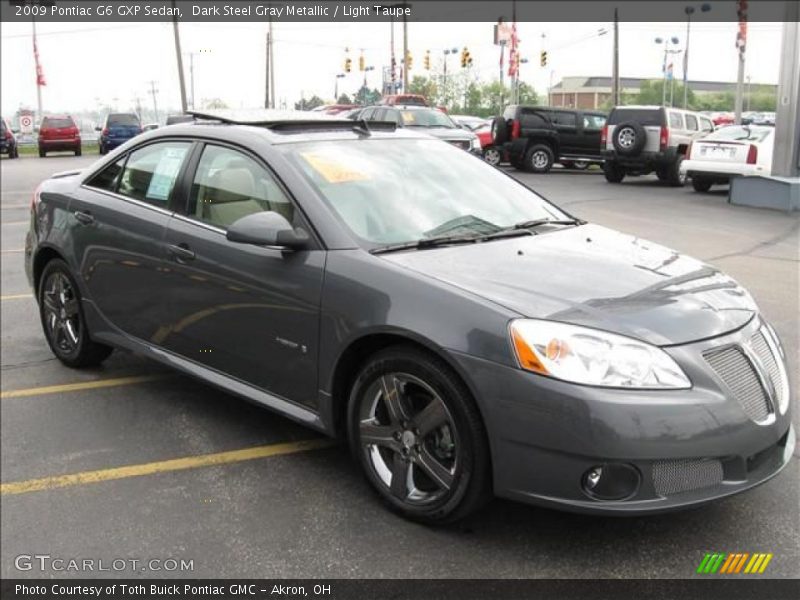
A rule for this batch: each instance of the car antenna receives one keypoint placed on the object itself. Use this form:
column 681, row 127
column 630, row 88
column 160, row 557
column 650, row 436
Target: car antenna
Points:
column 362, row 128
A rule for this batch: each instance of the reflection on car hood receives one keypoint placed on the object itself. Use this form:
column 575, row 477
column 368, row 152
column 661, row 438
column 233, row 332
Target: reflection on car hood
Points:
column 597, row 277
column 445, row 133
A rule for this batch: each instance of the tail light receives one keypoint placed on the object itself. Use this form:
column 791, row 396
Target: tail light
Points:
column 752, row 154
column 35, row 198
column 663, row 140
column 689, row 151
column 105, row 131
column 516, row 128
column 604, row 136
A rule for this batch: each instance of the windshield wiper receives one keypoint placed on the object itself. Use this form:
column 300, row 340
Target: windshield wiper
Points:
column 426, row 243
column 539, row 222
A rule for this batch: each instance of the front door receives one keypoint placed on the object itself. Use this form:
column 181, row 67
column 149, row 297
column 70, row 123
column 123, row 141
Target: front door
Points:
column 249, row 312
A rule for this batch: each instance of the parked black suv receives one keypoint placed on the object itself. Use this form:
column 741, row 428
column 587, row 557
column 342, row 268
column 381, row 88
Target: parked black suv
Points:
column 536, row 137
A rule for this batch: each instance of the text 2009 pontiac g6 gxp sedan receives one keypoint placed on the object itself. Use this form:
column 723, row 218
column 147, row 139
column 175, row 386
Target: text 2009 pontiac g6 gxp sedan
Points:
column 468, row 337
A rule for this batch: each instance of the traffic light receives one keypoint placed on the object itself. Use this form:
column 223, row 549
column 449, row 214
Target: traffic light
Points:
column 348, row 64
column 543, row 58
column 361, row 63
column 466, row 59
column 409, row 60
column 427, row 60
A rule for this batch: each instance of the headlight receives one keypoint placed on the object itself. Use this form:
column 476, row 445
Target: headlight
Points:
column 593, row 357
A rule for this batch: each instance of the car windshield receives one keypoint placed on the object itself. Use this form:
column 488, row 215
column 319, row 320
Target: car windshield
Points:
column 426, row 118
column 390, row 191
column 737, row 133
column 123, row 119
column 56, row 123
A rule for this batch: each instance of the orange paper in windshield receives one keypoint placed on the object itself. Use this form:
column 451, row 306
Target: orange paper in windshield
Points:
column 332, row 170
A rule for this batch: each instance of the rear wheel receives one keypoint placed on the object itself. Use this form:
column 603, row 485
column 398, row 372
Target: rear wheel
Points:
column 675, row 177
column 78, row 151
column 63, row 321
column 539, row 159
column 613, row 172
column 42, row 153
column 701, row 185
column 492, row 156
column 418, row 436
column 101, row 149
column 581, row 165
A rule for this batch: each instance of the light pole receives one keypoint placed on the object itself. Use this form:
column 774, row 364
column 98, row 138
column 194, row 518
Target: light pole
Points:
column 447, row 52
column 666, row 42
column 522, row 61
column 366, row 90
column 689, row 10
column 336, row 88
column 191, row 72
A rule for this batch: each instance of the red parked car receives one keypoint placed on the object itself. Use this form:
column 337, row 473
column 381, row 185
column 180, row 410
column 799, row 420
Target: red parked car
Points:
column 59, row 132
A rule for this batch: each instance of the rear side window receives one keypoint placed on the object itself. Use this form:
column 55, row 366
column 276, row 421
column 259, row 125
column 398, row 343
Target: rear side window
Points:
column 644, row 116
column 691, row 122
column 531, row 119
column 55, row 123
column 564, row 119
column 706, row 124
column 123, row 119
column 150, row 172
column 675, row 121
column 108, row 177
column 593, row 122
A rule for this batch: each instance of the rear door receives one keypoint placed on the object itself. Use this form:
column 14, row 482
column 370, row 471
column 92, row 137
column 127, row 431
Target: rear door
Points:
column 118, row 221
column 248, row 311
column 566, row 124
column 591, row 128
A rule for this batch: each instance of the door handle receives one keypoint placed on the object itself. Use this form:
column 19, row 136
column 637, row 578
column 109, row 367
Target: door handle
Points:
column 84, row 218
column 181, row 252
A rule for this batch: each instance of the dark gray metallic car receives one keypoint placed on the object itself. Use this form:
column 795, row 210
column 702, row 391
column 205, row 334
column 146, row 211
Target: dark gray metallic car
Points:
column 468, row 337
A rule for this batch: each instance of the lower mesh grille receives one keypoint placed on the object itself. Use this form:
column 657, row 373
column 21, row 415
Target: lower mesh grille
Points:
column 738, row 373
column 675, row 476
column 762, row 349
column 461, row 144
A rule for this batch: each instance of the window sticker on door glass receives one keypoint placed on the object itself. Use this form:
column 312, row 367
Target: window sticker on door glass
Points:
column 408, row 117
column 332, row 169
column 165, row 173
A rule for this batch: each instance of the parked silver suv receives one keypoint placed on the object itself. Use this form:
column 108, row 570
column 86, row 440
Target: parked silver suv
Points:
column 638, row 140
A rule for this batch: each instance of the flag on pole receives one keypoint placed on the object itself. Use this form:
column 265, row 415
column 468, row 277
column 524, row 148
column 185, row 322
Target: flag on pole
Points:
column 513, row 58
column 39, row 72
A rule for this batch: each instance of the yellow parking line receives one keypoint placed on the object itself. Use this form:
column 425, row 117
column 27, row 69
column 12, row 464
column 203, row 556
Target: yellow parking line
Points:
column 164, row 466
column 16, row 296
column 83, row 385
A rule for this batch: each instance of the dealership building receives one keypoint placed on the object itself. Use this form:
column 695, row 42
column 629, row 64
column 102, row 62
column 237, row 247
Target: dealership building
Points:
column 593, row 92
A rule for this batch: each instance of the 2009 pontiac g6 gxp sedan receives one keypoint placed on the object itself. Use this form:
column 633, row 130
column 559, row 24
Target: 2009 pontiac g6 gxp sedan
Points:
column 467, row 336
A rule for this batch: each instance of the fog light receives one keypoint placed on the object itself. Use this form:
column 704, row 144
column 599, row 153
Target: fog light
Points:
column 611, row 481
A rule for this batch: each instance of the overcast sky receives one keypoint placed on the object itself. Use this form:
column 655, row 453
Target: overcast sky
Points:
column 86, row 62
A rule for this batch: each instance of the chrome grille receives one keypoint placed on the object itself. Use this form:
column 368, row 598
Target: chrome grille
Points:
column 676, row 476
column 762, row 349
column 739, row 375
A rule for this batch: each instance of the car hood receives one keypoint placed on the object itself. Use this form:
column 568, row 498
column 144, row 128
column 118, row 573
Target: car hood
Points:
column 597, row 277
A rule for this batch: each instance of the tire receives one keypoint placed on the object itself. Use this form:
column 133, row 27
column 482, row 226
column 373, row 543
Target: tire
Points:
column 674, row 176
column 101, row 149
column 700, row 184
column 78, row 152
column 629, row 138
column 662, row 174
column 539, row 159
column 448, row 467
column 13, row 153
column 581, row 165
column 499, row 131
column 613, row 172
column 63, row 322
column 492, row 155
column 42, row 153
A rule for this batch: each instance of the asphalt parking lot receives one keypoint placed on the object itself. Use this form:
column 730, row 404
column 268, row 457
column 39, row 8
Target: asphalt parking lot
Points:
column 89, row 465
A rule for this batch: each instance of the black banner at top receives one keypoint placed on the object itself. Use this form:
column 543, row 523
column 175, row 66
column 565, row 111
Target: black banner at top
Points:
column 211, row 11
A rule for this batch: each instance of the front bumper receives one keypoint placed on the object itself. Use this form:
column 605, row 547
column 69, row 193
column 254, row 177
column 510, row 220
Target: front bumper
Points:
column 546, row 435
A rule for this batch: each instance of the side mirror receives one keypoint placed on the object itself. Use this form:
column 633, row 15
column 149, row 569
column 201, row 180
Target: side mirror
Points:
column 98, row 129
column 267, row 229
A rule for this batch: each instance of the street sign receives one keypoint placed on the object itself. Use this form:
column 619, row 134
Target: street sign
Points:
column 26, row 124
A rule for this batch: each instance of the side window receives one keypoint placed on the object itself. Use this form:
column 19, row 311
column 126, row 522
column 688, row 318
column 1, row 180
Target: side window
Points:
column 593, row 122
column 367, row 114
column 706, row 124
column 691, row 122
column 675, row 121
column 150, row 172
column 108, row 177
column 229, row 185
column 564, row 120
column 380, row 114
column 533, row 120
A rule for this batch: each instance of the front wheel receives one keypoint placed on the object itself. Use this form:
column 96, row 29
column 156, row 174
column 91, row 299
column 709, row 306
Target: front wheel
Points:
column 676, row 177
column 63, row 321
column 42, row 153
column 539, row 159
column 701, row 185
column 418, row 436
column 492, row 156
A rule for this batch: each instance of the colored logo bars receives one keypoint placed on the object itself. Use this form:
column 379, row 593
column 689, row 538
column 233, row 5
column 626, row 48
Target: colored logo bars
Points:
column 734, row 564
